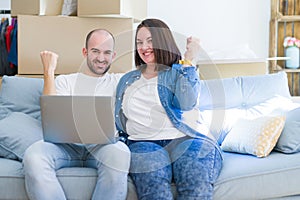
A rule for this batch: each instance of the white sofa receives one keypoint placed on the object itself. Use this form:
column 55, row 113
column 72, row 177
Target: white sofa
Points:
column 244, row 176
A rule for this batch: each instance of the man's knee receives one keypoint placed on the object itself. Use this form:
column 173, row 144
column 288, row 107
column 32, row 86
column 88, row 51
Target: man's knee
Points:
column 32, row 160
column 115, row 156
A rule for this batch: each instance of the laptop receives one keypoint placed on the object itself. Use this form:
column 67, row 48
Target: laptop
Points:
column 78, row 119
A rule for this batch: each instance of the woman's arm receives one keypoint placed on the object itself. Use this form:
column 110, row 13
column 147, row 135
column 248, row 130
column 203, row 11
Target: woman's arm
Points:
column 188, row 83
column 187, row 87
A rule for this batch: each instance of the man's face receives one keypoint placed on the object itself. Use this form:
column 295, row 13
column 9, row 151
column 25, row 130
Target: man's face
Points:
column 100, row 53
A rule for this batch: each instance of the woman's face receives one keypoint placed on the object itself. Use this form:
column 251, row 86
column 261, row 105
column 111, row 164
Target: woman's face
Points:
column 144, row 45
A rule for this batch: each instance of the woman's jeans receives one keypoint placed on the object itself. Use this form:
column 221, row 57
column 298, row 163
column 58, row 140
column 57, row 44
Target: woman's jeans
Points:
column 193, row 164
column 43, row 159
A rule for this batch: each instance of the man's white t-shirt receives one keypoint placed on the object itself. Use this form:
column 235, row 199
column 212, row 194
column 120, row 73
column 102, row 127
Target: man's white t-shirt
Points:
column 81, row 84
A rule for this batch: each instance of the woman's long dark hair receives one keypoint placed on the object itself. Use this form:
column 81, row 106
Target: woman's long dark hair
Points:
column 165, row 48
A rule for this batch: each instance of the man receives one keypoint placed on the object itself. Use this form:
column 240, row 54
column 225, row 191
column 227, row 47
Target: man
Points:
column 42, row 159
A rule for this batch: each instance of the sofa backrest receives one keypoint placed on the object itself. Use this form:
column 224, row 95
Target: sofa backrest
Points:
column 20, row 94
column 223, row 102
column 242, row 92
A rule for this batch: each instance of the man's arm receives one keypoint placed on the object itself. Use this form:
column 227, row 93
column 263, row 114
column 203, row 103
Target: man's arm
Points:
column 49, row 61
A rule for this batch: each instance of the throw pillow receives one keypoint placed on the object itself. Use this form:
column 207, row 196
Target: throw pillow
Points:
column 252, row 90
column 20, row 94
column 4, row 153
column 257, row 137
column 17, row 132
column 289, row 140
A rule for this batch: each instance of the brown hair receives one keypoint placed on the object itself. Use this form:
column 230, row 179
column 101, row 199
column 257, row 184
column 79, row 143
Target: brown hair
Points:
column 165, row 48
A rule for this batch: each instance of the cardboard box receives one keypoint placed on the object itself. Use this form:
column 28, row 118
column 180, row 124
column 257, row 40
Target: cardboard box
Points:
column 216, row 69
column 66, row 36
column 36, row 7
column 136, row 9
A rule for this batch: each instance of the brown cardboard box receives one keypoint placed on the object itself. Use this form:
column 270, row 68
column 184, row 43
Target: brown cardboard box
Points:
column 66, row 36
column 216, row 69
column 36, row 7
column 136, row 9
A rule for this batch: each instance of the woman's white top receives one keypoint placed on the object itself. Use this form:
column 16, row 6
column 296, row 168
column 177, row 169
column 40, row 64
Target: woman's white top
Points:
column 147, row 119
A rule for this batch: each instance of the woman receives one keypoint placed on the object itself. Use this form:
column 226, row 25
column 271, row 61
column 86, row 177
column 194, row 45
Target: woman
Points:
column 150, row 108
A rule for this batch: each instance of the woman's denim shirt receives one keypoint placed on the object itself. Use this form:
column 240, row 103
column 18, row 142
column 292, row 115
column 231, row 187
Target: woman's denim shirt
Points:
column 178, row 90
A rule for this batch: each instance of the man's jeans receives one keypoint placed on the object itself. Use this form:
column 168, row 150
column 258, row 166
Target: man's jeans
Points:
column 42, row 159
column 193, row 164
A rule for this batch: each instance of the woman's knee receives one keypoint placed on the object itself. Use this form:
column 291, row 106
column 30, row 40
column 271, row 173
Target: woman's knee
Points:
column 151, row 171
column 197, row 171
column 147, row 157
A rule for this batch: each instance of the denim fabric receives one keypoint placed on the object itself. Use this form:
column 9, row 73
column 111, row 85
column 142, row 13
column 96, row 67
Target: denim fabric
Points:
column 42, row 159
column 193, row 164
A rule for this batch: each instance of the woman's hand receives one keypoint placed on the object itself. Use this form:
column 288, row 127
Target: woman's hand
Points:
column 49, row 61
column 192, row 48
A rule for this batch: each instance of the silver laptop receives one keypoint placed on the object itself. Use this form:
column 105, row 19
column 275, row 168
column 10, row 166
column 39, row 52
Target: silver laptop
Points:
column 78, row 119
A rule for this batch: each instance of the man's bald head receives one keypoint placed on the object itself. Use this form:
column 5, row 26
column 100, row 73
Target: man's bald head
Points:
column 103, row 32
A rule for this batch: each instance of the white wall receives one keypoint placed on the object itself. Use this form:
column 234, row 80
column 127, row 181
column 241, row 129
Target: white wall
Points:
column 227, row 28
column 4, row 4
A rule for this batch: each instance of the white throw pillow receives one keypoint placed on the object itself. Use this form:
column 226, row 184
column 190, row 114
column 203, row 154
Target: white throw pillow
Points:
column 256, row 137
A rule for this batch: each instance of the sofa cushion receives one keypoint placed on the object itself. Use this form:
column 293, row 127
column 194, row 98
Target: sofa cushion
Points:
column 20, row 94
column 224, row 101
column 248, row 177
column 12, row 180
column 256, row 136
column 17, row 132
column 221, row 121
column 242, row 177
column 289, row 140
column 5, row 153
column 242, row 92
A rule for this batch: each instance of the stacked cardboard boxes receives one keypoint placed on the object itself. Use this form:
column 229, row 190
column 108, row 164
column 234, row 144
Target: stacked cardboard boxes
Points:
column 42, row 27
column 137, row 9
column 231, row 68
column 36, row 7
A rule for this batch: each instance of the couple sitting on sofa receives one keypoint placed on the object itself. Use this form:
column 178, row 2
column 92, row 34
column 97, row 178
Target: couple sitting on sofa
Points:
column 162, row 148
